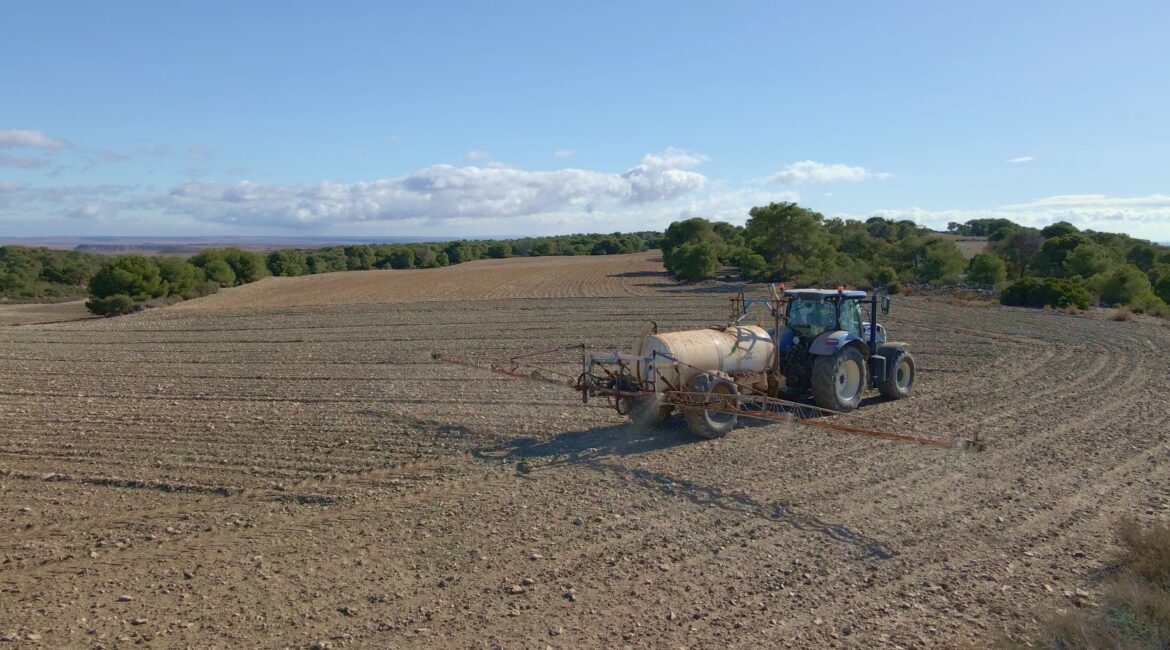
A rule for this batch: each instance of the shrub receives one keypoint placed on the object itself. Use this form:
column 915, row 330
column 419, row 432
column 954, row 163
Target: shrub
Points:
column 987, row 268
column 135, row 276
column 1122, row 313
column 695, row 261
column 894, row 288
column 112, row 305
column 1037, row 292
column 287, row 262
column 178, row 276
column 1124, row 285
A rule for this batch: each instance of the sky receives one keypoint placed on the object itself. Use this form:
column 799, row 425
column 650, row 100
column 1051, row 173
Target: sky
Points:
column 453, row 119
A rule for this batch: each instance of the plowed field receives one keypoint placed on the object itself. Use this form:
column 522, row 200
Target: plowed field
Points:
column 285, row 465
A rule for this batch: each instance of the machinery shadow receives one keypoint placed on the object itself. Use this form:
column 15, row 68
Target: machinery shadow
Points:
column 598, row 449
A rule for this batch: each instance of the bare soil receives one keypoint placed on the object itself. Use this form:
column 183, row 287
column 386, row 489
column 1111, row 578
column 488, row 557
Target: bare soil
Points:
column 283, row 466
column 34, row 313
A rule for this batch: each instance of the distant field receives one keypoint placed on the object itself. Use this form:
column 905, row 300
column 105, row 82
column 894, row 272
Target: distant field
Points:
column 971, row 246
column 30, row 313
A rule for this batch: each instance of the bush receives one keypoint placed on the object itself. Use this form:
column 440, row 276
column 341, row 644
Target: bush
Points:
column 287, row 262
column 112, row 305
column 178, row 276
column 1038, row 292
column 1124, row 285
column 1122, row 313
column 987, row 268
column 695, row 261
column 135, row 276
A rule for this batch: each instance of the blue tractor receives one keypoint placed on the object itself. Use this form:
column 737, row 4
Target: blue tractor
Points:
column 825, row 350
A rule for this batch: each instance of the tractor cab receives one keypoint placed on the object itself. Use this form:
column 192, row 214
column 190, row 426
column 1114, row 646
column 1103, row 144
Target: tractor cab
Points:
column 812, row 312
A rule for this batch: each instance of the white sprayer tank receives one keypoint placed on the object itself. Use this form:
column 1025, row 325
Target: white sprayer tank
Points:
column 736, row 349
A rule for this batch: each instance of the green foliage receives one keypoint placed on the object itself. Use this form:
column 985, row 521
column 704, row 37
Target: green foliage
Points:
column 987, row 268
column 1160, row 280
column 287, row 262
column 1050, row 259
column 942, row 261
column 498, row 250
column 752, row 265
column 793, row 240
column 242, row 266
column 135, row 276
column 981, row 227
column 1058, row 229
column 1124, row 285
column 697, row 260
column 1087, row 260
column 1032, row 291
column 39, row 274
column 1017, row 247
column 112, row 305
column 179, row 277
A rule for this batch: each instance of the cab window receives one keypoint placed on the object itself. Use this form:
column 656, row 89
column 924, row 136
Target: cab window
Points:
column 851, row 316
column 811, row 317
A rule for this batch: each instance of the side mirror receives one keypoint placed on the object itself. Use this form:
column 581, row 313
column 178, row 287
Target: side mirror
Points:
column 885, row 305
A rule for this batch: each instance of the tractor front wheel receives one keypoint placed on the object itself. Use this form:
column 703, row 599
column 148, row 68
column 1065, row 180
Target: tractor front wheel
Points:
column 839, row 380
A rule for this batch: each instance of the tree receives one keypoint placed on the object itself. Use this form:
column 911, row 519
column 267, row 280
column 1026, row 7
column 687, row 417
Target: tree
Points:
column 220, row 272
column 499, row 250
column 792, row 239
column 1058, row 229
column 248, row 266
column 987, row 268
column 287, row 262
column 1124, row 285
column 1018, row 248
column 135, row 276
column 1087, row 260
column 695, row 261
column 178, row 276
column 1050, row 259
column 942, row 261
column 1160, row 280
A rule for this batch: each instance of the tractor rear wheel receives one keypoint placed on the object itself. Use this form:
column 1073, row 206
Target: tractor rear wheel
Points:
column 839, row 380
column 713, row 424
column 901, row 375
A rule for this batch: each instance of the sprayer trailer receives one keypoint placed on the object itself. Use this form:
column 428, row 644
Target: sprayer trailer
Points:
column 818, row 350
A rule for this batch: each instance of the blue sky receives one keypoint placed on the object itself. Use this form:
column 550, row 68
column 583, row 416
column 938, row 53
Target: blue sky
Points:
column 507, row 118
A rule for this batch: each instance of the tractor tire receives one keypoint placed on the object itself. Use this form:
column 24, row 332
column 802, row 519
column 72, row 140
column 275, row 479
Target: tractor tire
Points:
column 713, row 424
column 838, row 381
column 648, row 411
column 901, row 375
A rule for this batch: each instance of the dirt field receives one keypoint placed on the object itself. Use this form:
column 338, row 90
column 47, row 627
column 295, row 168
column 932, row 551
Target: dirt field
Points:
column 31, row 314
column 284, row 465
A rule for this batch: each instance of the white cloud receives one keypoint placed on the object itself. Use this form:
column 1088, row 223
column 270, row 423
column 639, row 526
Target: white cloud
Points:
column 563, row 153
column 440, row 193
column 477, row 155
column 27, row 138
column 811, row 171
column 199, row 152
column 1021, row 159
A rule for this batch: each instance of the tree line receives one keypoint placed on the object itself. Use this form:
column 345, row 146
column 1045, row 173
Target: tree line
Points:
column 126, row 283
column 1058, row 265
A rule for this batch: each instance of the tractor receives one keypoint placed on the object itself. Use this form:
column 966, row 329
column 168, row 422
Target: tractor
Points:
column 819, row 349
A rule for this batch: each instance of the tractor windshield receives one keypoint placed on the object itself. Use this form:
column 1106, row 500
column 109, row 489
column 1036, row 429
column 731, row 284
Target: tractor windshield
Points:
column 811, row 317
